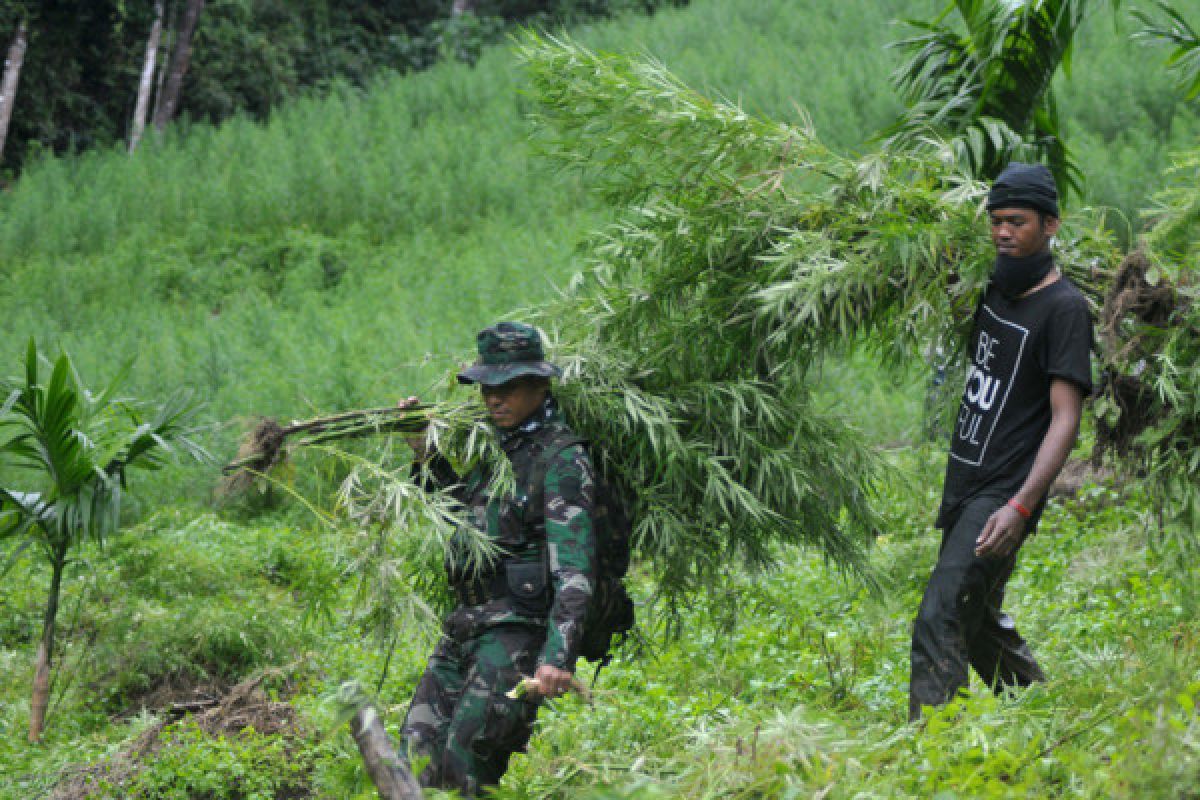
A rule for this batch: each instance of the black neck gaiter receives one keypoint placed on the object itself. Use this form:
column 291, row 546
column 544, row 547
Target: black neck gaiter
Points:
column 1014, row 276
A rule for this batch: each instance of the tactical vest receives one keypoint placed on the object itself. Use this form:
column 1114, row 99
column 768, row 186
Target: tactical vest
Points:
column 518, row 526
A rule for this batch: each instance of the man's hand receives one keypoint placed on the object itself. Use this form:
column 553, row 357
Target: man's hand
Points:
column 416, row 442
column 551, row 681
column 1002, row 533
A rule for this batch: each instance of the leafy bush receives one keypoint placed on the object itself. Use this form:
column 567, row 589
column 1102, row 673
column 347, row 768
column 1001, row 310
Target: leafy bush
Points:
column 198, row 604
column 192, row 763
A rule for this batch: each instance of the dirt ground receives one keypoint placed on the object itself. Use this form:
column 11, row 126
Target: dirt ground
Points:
column 216, row 710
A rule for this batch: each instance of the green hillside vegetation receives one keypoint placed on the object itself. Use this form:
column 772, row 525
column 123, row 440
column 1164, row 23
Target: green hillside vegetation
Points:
column 342, row 255
column 80, row 83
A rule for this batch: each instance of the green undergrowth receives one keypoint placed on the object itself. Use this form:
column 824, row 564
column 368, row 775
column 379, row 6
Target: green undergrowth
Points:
column 791, row 683
column 193, row 763
column 172, row 610
column 807, row 695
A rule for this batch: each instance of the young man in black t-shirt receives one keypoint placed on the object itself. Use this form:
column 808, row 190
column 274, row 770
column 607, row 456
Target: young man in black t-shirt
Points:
column 1029, row 370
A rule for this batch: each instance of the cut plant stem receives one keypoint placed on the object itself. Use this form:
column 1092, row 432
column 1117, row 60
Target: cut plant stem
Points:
column 534, row 685
column 263, row 447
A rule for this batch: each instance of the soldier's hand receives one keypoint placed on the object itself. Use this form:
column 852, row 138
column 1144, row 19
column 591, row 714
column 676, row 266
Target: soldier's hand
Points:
column 1001, row 534
column 415, row 441
column 551, row 681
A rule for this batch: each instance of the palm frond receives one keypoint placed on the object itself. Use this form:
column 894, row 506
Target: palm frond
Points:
column 23, row 508
column 46, row 440
column 22, row 516
column 79, row 446
column 1175, row 32
column 987, row 90
column 172, row 427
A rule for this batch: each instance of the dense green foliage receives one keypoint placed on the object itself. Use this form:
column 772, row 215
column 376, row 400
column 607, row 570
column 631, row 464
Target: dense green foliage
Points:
column 805, row 694
column 343, row 253
column 251, row 248
column 988, row 90
column 79, row 83
column 746, row 254
column 177, row 608
column 806, row 697
column 1149, row 416
column 1170, row 27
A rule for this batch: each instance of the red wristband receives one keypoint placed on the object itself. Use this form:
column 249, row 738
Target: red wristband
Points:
column 1020, row 509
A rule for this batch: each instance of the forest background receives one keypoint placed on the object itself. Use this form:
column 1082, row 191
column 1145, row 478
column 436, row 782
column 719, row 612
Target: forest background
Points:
column 339, row 250
column 82, row 63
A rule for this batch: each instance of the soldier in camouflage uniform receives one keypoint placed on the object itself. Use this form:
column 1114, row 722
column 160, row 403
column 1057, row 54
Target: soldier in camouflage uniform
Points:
column 524, row 615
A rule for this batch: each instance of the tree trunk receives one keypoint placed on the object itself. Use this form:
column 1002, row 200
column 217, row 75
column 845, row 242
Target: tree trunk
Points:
column 181, row 54
column 12, row 74
column 461, row 7
column 147, row 81
column 167, row 45
column 45, row 653
column 390, row 773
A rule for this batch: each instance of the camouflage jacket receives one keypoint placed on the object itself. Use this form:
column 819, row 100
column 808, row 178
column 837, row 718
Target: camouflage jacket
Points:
column 548, row 548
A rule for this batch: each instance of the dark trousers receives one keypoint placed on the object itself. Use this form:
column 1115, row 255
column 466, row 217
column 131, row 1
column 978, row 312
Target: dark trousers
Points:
column 961, row 621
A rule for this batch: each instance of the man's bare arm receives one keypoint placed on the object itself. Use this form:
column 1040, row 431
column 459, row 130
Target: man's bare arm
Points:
column 1004, row 528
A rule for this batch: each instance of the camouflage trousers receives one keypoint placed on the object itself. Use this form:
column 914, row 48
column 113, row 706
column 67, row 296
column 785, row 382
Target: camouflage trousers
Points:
column 961, row 621
column 461, row 718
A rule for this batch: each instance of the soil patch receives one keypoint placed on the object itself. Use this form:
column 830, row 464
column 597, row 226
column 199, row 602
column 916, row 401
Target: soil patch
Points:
column 259, row 451
column 176, row 695
column 216, row 711
column 1075, row 474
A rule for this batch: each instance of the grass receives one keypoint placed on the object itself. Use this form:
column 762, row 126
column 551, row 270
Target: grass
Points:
column 343, row 254
column 806, row 697
column 805, row 694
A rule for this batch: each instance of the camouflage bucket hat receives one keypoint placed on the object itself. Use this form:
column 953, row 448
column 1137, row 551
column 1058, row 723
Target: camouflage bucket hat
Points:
column 508, row 350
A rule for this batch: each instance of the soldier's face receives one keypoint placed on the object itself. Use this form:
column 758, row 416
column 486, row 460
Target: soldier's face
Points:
column 1021, row 232
column 510, row 404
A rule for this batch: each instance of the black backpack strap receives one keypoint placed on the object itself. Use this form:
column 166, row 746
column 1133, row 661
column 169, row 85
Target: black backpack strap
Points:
column 560, row 441
column 555, row 444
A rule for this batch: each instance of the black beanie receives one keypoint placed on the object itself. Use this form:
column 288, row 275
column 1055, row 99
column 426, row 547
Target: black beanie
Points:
column 1024, row 186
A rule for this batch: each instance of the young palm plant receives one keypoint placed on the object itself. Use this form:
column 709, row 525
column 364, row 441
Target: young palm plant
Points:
column 72, row 450
column 985, row 86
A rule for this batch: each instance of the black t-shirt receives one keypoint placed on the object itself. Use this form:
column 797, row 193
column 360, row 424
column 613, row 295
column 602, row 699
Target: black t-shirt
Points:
column 1016, row 349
